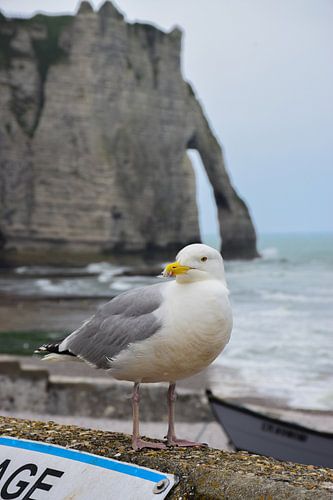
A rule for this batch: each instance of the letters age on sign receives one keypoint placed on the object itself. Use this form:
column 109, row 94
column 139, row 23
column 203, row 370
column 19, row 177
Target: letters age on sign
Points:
column 30, row 470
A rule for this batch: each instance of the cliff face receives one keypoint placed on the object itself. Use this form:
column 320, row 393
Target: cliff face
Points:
column 95, row 123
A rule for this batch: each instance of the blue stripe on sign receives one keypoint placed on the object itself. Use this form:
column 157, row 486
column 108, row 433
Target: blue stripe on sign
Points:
column 86, row 458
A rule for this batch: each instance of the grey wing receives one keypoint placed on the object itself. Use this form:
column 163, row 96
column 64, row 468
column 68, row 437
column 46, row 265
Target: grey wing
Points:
column 126, row 319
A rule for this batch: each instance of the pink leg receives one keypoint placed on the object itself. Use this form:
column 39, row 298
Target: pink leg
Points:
column 172, row 440
column 137, row 442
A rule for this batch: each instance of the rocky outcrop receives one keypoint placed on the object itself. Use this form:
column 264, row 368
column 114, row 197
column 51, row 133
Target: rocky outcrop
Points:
column 96, row 122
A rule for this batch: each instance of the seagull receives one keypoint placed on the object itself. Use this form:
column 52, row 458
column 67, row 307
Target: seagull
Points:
column 163, row 332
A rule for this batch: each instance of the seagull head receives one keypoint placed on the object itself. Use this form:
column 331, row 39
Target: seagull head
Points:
column 196, row 262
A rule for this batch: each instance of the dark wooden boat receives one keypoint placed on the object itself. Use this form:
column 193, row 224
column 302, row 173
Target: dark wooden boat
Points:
column 264, row 435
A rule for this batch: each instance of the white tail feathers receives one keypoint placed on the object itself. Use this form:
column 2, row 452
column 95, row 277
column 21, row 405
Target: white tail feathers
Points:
column 59, row 357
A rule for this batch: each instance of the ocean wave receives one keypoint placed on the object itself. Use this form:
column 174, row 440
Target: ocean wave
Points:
column 280, row 381
column 270, row 253
column 127, row 282
column 102, row 267
column 105, row 271
column 295, row 297
column 67, row 287
column 120, row 286
column 47, row 286
column 21, row 270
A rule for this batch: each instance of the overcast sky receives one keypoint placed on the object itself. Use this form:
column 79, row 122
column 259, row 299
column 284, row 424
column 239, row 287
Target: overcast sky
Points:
column 264, row 74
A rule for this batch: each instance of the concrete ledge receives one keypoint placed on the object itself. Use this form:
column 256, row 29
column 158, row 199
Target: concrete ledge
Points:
column 204, row 473
column 33, row 389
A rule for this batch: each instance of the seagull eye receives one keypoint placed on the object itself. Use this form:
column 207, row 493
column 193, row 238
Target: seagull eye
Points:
column 203, row 259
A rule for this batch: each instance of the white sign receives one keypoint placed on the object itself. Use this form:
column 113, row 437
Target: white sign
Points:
column 30, row 470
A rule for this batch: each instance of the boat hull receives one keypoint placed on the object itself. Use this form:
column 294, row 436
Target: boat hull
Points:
column 258, row 433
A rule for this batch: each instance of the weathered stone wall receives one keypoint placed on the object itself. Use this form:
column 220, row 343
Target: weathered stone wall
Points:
column 95, row 123
column 34, row 390
column 203, row 473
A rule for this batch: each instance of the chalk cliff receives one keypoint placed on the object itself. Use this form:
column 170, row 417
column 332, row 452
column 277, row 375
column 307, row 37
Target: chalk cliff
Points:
column 95, row 123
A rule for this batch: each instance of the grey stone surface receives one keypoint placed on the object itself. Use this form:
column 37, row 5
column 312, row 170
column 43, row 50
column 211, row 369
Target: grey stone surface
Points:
column 27, row 388
column 205, row 432
column 96, row 120
column 203, row 473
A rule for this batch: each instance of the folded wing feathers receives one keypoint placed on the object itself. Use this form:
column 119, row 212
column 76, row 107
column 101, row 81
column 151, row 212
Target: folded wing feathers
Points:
column 125, row 319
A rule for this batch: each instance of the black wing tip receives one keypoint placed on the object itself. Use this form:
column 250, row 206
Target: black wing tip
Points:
column 52, row 349
column 47, row 349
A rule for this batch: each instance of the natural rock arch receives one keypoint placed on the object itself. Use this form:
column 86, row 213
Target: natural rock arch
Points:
column 100, row 162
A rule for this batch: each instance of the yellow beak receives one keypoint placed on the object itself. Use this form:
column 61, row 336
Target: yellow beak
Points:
column 175, row 268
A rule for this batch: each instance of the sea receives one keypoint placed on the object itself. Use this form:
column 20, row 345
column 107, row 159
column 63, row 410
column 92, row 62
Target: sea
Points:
column 282, row 342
